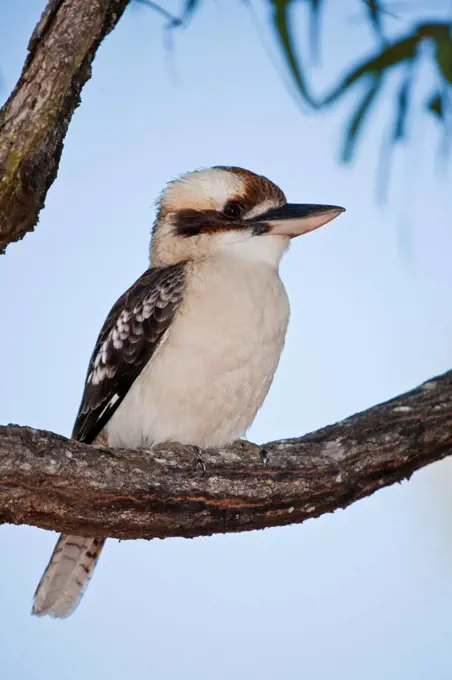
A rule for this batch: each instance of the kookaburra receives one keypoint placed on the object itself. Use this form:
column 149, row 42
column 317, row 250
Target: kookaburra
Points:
column 188, row 353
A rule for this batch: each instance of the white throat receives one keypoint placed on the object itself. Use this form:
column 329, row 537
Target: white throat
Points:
column 265, row 249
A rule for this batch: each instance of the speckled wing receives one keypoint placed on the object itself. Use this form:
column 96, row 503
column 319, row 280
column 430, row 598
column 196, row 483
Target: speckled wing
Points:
column 130, row 335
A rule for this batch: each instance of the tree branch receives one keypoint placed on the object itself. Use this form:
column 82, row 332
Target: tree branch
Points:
column 49, row 481
column 34, row 120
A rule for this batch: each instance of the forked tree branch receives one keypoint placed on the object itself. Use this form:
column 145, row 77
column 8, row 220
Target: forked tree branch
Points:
column 49, row 481
column 34, row 120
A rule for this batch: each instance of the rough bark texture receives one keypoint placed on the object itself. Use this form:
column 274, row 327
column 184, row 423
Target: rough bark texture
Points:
column 49, row 481
column 34, row 120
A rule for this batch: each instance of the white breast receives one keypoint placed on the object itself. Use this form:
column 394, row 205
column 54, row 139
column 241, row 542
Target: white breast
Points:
column 211, row 374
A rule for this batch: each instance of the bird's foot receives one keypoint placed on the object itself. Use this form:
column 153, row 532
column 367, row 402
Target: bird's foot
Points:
column 199, row 461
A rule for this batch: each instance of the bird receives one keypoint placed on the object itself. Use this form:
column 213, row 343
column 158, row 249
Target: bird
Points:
column 188, row 353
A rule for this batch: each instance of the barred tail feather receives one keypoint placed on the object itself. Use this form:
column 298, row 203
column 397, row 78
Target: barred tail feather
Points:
column 67, row 575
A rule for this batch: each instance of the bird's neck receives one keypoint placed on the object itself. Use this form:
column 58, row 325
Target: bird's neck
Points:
column 255, row 250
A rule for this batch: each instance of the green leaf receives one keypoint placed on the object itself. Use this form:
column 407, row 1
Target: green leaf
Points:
column 433, row 29
column 357, row 120
column 281, row 24
column 402, row 104
column 190, row 7
column 374, row 11
column 389, row 56
column 314, row 26
column 444, row 55
column 436, row 106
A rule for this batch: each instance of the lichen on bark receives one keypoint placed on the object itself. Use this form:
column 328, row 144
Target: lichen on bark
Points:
column 36, row 116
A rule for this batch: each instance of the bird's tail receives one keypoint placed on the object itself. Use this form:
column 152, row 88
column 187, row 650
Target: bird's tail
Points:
column 68, row 573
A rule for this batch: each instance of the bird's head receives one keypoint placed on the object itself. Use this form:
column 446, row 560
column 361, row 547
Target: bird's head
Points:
column 231, row 210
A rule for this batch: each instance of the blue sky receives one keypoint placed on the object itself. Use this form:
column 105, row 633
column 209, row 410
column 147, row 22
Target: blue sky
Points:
column 362, row 593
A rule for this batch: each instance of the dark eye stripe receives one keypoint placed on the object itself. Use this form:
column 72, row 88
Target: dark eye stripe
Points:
column 195, row 222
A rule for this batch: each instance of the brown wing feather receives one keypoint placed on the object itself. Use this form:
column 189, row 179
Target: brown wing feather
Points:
column 130, row 335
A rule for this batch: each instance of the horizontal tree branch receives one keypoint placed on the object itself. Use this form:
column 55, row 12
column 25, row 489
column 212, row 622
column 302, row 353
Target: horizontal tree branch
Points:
column 52, row 482
column 34, row 120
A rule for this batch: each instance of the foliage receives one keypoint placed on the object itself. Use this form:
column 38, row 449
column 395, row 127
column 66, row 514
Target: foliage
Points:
column 401, row 55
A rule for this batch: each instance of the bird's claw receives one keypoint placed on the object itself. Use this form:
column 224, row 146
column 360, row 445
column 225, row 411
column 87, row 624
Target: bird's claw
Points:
column 199, row 462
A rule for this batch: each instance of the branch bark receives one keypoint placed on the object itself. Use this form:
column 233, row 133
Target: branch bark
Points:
column 51, row 482
column 34, row 120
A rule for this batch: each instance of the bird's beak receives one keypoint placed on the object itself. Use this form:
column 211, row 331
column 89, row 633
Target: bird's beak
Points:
column 294, row 219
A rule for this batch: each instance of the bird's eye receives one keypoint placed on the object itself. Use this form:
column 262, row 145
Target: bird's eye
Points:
column 232, row 210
